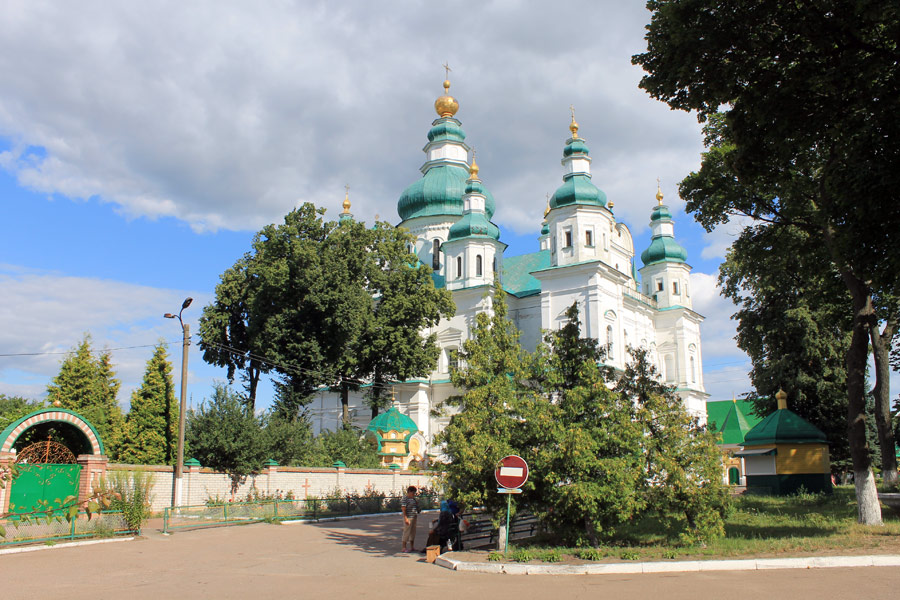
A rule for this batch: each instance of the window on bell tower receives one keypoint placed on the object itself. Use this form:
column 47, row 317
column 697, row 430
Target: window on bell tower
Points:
column 458, row 267
column 478, row 267
column 436, row 255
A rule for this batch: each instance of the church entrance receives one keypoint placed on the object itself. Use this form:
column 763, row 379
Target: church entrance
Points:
column 734, row 476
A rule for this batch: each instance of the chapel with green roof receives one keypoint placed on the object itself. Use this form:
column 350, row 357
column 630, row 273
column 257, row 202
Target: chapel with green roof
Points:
column 583, row 254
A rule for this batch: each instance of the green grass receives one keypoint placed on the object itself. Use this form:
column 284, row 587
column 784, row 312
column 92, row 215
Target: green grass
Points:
column 757, row 526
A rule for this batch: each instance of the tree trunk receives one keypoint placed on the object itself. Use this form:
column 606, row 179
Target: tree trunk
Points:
column 252, row 382
column 868, row 508
column 881, row 344
column 345, row 403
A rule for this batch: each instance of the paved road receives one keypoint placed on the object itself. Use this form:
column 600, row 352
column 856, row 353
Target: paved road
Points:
column 357, row 558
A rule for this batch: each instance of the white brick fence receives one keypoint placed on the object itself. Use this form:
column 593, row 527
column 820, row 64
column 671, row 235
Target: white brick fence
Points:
column 201, row 484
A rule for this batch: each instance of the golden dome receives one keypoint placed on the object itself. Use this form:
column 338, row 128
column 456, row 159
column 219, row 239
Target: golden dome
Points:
column 547, row 210
column 446, row 105
column 473, row 170
column 346, row 203
column 659, row 194
column 573, row 126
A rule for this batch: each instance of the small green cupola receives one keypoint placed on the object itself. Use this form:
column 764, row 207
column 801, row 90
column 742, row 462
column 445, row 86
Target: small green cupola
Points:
column 784, row 426
column 663, row 247
column 577, row 187
column 396, row 438
column 474, row 222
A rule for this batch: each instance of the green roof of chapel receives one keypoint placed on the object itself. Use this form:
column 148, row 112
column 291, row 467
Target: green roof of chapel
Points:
column 784, row 426
column 392, row 420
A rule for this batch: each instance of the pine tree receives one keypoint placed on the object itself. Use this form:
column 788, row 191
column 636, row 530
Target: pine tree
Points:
column 88, row 386
column 587, row 444
column 152, row 425
column 681, row 475
column 488, row 422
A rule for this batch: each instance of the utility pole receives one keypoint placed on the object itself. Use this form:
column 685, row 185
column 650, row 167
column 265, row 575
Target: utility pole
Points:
column 185, row 345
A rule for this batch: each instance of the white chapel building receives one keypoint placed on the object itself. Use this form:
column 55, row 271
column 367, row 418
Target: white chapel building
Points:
column 583, row 255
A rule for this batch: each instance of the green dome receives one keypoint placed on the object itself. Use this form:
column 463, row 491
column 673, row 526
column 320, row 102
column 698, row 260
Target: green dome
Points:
column 473, row 224
column 545, row 227
column 576, row 145
column 784, row 427
column 664, row 248
column 393, row 420
column 447, row 129
column 661, row 211
column 439, row 192
column 577, row 189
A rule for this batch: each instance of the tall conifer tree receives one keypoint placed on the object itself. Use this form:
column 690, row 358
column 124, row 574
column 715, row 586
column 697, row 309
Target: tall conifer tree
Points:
column 87, row 385
column 152, row 426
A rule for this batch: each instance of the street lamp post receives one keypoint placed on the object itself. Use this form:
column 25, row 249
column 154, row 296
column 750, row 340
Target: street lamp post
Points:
column 185, row 344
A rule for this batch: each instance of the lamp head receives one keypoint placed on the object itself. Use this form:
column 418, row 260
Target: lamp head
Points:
column 169, row 316
column 186, row 303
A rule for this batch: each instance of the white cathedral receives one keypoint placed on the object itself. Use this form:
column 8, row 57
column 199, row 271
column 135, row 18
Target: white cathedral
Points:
column 585, row 255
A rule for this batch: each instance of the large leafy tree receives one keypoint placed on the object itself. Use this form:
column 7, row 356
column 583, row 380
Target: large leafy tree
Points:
column 13, row 408
column 793, row 324
column 325, row 304
column 87, row 384
column 151, row 427
column 225, row 435
column 809, row 93
column 488, row 415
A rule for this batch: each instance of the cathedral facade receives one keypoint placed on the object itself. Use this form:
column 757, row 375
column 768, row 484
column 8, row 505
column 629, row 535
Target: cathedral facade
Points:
column 584, row 256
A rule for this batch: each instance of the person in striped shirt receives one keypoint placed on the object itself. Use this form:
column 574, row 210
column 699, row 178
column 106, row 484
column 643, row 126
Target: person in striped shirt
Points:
column 410, row 509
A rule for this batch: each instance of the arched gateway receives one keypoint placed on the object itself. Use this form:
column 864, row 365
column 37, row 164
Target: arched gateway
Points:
column 58, row 454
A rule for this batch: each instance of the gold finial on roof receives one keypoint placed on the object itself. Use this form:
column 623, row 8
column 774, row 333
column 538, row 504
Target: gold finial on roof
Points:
column 57, row 403
column 547, row 210
column 659, row 194
column 393, row 396
column 573, row 126
column 733, row 398
column 346, row 203
column 446, row 105
column 474, row 168
column 781, row 398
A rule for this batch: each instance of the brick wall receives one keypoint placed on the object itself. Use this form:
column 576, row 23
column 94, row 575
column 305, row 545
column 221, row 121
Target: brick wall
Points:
column 201, row 484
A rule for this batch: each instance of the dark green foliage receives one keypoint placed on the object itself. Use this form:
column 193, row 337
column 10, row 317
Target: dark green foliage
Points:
column 808, row 139
column 585, row 442
column 325, row 303
column 348, row 445
column 13, row 408
column 289, row 441
column 151, row 427
column 682, row 471
column 793, row 324
column 225, row 435
column 87, row 385
column 487, row 426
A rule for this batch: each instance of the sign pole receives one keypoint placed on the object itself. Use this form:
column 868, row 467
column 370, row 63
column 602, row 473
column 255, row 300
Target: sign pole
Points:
column 508, row 505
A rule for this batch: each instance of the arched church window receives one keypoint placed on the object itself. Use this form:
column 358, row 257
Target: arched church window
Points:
column 693, row 371
column 478, row 267
column 458, row 267
column 568, row 235
column 588, row 238
column 675, row 287
column 436, row 255
column 494, row 266
column 609, row 341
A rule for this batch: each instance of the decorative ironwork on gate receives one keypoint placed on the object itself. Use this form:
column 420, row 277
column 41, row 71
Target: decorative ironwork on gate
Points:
column 46, row 452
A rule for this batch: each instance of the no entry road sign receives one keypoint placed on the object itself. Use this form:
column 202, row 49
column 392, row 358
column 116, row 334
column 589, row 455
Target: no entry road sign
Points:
column 512, row 472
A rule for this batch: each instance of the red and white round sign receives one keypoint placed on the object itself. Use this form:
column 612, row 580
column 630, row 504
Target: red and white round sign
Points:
column 512, row 472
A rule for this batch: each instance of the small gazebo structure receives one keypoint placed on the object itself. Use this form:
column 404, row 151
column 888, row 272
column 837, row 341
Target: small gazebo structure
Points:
column 785, row 452
column 397, row 439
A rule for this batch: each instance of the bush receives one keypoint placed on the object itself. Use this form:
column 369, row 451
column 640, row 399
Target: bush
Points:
column 131, row 494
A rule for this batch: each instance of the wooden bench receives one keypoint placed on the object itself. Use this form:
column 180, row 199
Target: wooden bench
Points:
column 481, row 533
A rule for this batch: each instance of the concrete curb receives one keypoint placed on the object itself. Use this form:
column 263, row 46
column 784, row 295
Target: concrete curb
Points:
column 687, row 566
column 65, row 545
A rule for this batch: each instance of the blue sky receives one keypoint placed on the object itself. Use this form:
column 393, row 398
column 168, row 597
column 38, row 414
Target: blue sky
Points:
column 141, row 146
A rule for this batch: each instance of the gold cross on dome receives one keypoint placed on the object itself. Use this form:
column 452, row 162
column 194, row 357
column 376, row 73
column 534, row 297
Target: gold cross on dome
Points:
column 447, row 69
column 572, row 110
column 347, row 188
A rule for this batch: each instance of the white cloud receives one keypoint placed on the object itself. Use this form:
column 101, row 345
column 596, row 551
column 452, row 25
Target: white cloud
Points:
column 47, row 314
column 226, row 116
column 725, row 367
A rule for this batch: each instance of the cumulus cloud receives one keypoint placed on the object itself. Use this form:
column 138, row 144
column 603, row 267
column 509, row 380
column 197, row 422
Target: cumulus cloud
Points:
column 226, row 116
column 47, row 314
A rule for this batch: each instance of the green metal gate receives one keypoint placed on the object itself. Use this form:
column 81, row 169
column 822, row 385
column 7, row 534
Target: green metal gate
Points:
column 43, row 482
